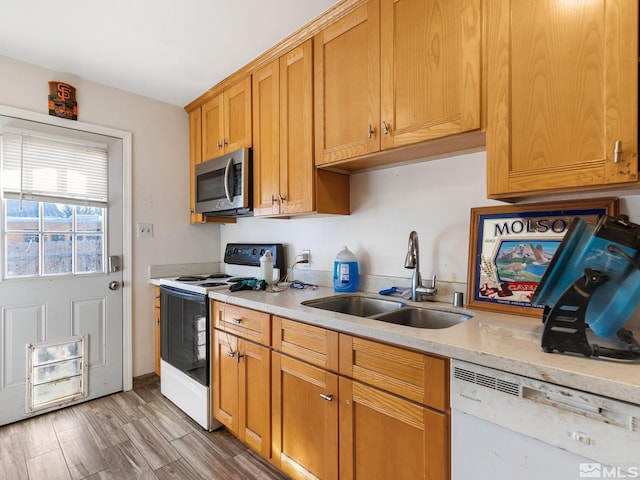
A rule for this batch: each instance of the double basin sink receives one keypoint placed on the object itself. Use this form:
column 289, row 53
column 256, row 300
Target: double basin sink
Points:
column 389, row 311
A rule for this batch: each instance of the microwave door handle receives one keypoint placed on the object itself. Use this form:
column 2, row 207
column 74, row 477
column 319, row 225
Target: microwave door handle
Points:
column 227, row 172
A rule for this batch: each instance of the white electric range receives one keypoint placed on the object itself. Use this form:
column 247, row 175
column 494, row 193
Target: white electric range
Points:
column 185, row 327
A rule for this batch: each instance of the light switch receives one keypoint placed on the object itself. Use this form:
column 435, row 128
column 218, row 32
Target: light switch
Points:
column 144, row 230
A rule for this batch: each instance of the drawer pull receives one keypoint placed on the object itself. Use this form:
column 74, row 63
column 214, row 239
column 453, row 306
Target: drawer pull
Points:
column 235, row 354
column 326, row 396
column 237, row 321
column 617, row 151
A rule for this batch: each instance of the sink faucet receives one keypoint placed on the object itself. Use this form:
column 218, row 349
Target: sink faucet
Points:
column 418, row 291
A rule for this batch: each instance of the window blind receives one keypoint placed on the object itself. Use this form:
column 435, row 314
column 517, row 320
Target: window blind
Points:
column 53, row 170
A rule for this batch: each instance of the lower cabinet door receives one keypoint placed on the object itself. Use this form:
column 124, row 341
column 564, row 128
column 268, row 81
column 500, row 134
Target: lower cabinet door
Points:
column 383, row 436
column 242, row 390
column 225, row 380
column 254, row 412
column 305, row 419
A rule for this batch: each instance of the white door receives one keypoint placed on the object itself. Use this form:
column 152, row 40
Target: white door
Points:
column 56, row 281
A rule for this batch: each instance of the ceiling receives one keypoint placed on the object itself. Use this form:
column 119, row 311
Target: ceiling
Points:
column 170, row 50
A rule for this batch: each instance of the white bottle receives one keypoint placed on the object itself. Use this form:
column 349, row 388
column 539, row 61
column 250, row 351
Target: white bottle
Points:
column 266, row 267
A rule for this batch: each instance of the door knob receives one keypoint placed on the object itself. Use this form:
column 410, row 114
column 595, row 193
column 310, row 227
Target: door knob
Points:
column 114, row 285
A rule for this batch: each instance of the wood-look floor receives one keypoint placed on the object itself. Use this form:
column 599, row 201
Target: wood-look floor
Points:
column 136, row 434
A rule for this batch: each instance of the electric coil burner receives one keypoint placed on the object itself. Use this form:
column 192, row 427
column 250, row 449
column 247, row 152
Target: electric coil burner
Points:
column 205, row 280
column 592, row 283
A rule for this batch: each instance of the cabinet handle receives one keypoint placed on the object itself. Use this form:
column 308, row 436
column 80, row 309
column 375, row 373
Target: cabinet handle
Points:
column 273, row 199
column 237, row 321
column 385, row 128
column 617, row 151
column 326, row 396
column 370, row 131
column 226, row 142
column 219, row 144
column 235, row 354
column 281, row 198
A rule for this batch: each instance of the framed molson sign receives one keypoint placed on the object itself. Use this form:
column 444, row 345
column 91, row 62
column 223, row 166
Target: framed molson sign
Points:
column 510, row 247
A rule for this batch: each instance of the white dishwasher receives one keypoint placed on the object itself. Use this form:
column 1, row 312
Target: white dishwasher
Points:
column 507, row 427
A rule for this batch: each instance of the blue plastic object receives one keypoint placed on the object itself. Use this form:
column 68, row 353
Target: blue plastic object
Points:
column 596, row 247
column 388, row 291
column 345, row 272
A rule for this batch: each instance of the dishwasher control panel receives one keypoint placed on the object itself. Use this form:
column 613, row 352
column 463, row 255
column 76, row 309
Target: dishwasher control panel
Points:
column 589, row 425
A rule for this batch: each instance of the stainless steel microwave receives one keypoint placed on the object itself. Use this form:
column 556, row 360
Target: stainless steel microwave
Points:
column 223, row 185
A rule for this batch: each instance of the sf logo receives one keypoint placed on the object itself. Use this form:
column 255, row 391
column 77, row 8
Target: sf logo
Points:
column 64, row 91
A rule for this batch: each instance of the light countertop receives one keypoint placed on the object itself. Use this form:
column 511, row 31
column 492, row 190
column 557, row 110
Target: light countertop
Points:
column 505, row 342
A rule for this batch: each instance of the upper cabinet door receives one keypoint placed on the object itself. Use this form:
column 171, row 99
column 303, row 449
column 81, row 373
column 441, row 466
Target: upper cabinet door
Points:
column 562, row 90
column 431, row 59
column 195, row 157
column 213, row 128
column 237, row 116
column 226, row 121
column 297, row 170
column 347, row 85
column 266, row 140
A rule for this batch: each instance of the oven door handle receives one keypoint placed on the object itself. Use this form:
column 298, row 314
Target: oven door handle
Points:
column 196, row 297
column 227, row 172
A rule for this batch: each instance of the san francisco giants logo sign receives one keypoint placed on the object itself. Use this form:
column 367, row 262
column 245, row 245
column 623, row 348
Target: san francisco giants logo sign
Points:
column 62, row 100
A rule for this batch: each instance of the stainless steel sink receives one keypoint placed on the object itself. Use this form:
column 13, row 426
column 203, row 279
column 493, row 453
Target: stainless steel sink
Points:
column 388, row 310
column 357, row 305
column 423, row 318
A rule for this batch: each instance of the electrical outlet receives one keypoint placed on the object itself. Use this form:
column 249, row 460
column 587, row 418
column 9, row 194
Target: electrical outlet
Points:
column 306, row 255
column 144, row 230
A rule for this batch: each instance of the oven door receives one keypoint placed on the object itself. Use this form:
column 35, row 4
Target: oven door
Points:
column 223, row 183
column 184, row 332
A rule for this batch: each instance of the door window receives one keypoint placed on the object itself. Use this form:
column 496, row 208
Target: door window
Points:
column 54, row 205
column 44, row 238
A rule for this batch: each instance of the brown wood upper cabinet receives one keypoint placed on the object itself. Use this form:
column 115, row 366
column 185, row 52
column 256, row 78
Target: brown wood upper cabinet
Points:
column 285, row 178
column 226, row 121
column 397, row 72
column 562, row 95
column 195, row 157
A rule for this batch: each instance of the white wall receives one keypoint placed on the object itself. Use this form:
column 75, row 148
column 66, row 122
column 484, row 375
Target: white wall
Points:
column 433, row 198
column 160, row 179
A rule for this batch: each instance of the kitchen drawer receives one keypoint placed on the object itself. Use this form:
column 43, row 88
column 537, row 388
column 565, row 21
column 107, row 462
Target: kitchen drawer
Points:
column 415, row 376
column 243, row 322
column 314, row 345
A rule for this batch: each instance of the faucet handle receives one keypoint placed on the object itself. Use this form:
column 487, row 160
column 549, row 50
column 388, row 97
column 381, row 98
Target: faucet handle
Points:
column 427, row 293
column 432, row 290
